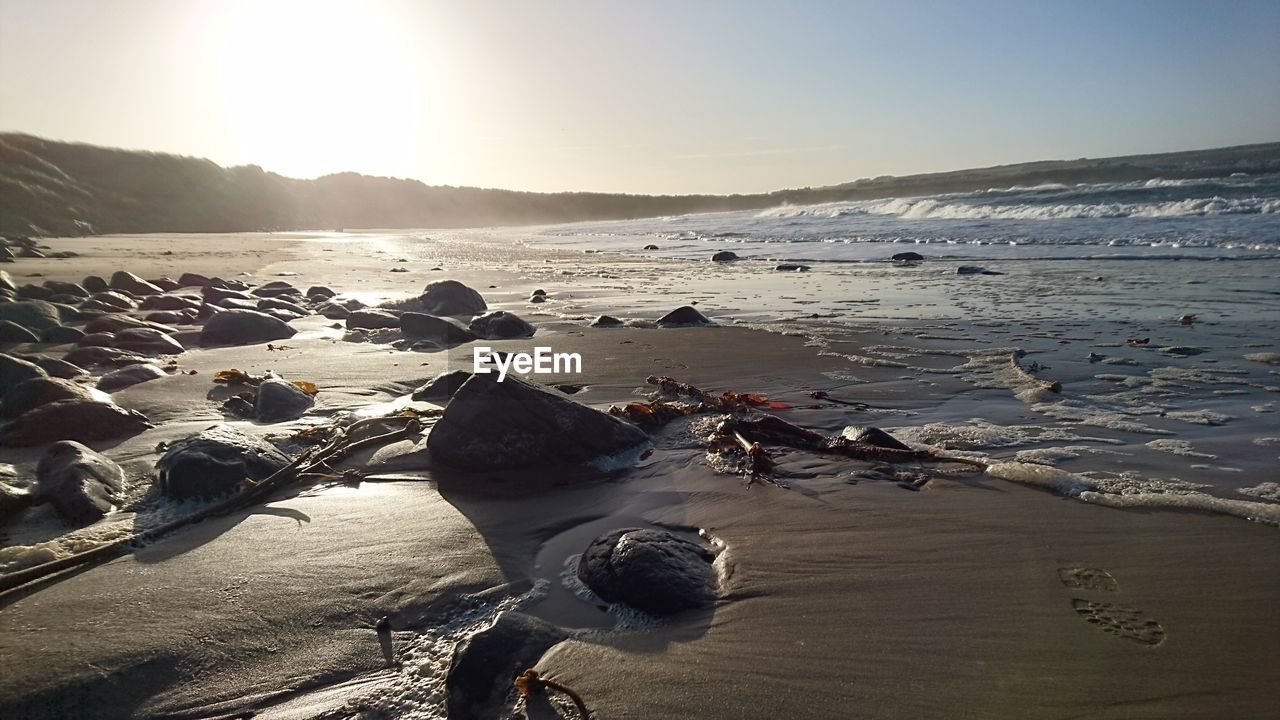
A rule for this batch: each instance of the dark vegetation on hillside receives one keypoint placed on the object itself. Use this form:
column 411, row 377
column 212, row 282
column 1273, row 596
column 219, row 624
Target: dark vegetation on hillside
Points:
column 58, row 188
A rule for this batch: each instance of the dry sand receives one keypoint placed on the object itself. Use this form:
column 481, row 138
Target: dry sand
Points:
column 842, row 597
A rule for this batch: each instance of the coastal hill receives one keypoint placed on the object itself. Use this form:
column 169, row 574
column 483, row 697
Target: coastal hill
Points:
column 57, row 188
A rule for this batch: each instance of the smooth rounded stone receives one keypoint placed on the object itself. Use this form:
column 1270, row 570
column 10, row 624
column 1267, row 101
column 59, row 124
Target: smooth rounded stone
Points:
column 166, row 283
column 450, row 297
column 244, row 327
column 36, row 315
column 320, row 291
column 792, row 267
column 16, row 370
column 192, row 280
column 53, row 366
column 907, row 257
column 725, row 256
column 284, row 315
column 499, row 325
column 684, row 316
column 12, row 332
column 66, row 288
column 64, row 299
column 82, row 485
column 169, row 317
column 215, row 295
column 651, row 570
column 37, row 391
column 61, row 335
column 119, row 323
column 281, row 400
column 75, row 419
column 873, row 436
column 6, row 282
column 30, row 252
column 515, row 423
column 129, row 376
column 650, row 247
column 606, row 321
column 97, row 307
column 333, row 311
column 115, row 299
column 169, row 302
column 13, row 499
column 214, row 462
column 371, row 319
column 280, row 304
column 975, row 270
column 536, row 299
column 34, row 292
column 444, row 332
column 97, row 339
column 442, row 386
column 225, row 284
column 538, row 291
column 95, row 284
column 207, row 311
column 123, row 280
column 89, row 357
column 485, row 665
column 236, row 304
column 275, row 288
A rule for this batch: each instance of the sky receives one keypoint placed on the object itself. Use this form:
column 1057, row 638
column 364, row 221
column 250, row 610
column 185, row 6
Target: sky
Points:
column 645, row 97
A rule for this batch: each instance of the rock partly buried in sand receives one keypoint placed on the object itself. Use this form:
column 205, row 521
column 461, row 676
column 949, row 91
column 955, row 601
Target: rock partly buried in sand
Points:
column 88, row 357
column 130, row 283
column 500, row 325
column 215, row 462
column 53, row 366
column 651, row 570
column 129, row 376
column 81, row 484
column 873, row 436
column 15, row 370
column 975, row 270
column 792, row 267
column 429, row 327
column 280, row 400
column 61, row 335
column 1266, row 358
column 608, row 321
column 725, row 256
column 12, row 332
column 650, row 247
column 442, row 386
column 450, row 297
column 907, row 257
column 485, row 665
column 684, row 316
column 244, row 327
column 372, row 319
column 35, row 315
column 147, row 341
column 514, row 423
column 76, row 419
column 39, row 391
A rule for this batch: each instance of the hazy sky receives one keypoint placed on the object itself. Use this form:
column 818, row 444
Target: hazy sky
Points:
column 651, row 96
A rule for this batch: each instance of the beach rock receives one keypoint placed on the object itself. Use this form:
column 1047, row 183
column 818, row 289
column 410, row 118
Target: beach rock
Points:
column 268, row 304
column 281, row 400
column 75, row 419
column 371, row 319
column 320, row 291
column 12, row 332
column 92, row 307
column 225, row 284
column 166, row 284
column 120, row 323
column 485, row 665
column 30, row 252
column 442, row 386
column 684, row 316
column 171, row 318
column 655, row 571
column 514, row 423
column 443, row 332
column 535, row 299
column 90, row 357
column 650, row 247
column 15, row 370
column 169, row 302
column 214, row 295
column 81, row 484
column 114, row 299
column 975, row 270
column 129, row 376
column 95, row 284
column 275, row 288
column 35, row 315
column 1266, row 358
column 606, row 321
column 6, row 283
column 236, row 304
column 66, row 288
column 61, row 335
column 792, row 267
column 37, row 391
column 499, row 325
column 873, row 436
column 539, row 291
column 34, row 292
column 907, row 257
column 147, row 341
column 127, row 281
column 214, row 462
column 725, row 256
column 13, row 499
column 285, row 315
column 97, row 339
column 55, row 367
column 187, row 279
column 244, row 327
column 333, row 311
column 450, row 297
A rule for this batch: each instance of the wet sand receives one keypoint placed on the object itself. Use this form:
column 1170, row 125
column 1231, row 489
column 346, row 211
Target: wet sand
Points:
column 842, row 597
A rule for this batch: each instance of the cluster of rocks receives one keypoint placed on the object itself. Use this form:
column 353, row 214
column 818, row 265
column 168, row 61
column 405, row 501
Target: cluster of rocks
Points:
column 13, row 247
column 435, row 319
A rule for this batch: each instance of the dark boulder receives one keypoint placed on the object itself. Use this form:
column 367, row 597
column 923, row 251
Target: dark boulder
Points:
column 608, row 321
column 89, row 357
column 118, row 323
column 792, row 267
column 429, row 327
column 166, row 283
column 515, row 423
column 215, row 295
column 281, row 400
column 15, row 370
column 81, row 484
column 12, row 332
column 75, row 419
column 171, row 317
column 275, row 288
column 129, row 376
column 114, row 299
column 442, row 386
column 268, row 304
column 147, row 341
column 320, row 291
column 244, row 327
column 500, row 325
column 650, row 247
column 34, row 292
column 975, row 270
column 333, row 310
column 907, row 257
column 725, row 256
column 38, row 391
column 192, row 280
column 873, row 436
column 450, row 297
column 214, row 462
column 127, row 281
column 484, row 666
column 55, row 367
column 236, row 304
column 61, row 335
column 6, row 282
column 651, row 570
column 372, row 319
column 169, row 302
column 66, row 288
column 684, row 316
column 95, row 284
column 36, row 315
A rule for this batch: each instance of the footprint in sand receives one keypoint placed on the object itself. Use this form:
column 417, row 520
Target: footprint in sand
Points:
column 1120, row 621
column 1087, row 578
